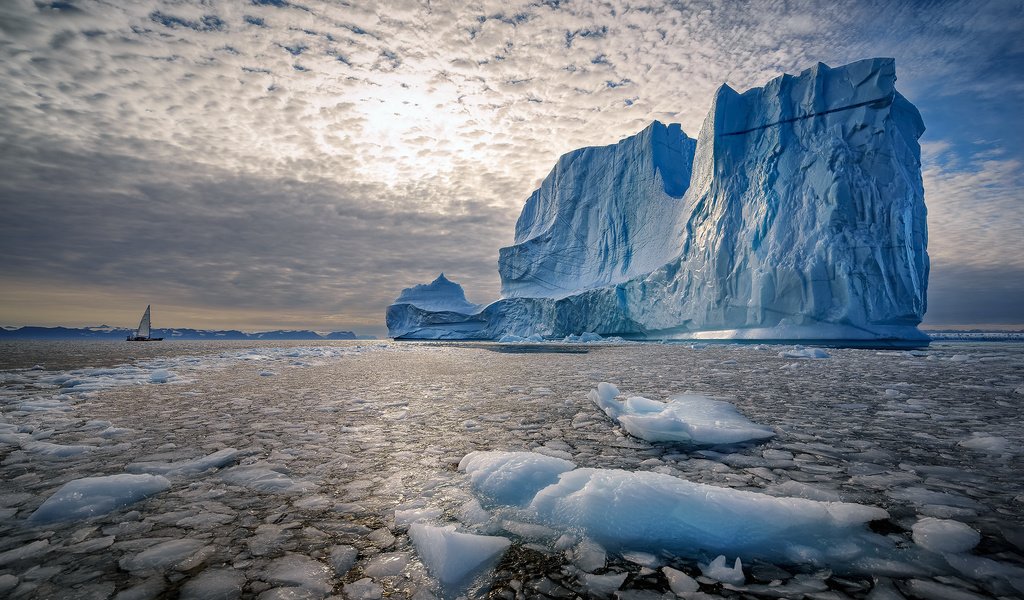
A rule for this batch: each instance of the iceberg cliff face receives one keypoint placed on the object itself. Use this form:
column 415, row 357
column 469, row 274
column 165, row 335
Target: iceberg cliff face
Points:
column 602, row 216
column 803, row 218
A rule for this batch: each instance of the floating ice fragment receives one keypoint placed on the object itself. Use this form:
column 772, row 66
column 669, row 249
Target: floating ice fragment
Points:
column 216, row 460
column 717, row 570
column 51, row 450
column 364, row 589
column 404, row 518
column 297, row 570
column 602, row 586
column 680, row 583
column 801, row 352
column 940, row 535
column 93, row 496
column 588, row 555
column 387, row 564
column 921, row 588
column 989, row 444
column 8, row 582
column 803, row 490
column 381, row 537
column 454, row 558
column 471, row 513
column 214, row 584
column 684, row 418
column 161, row 376
column 923, row 496
column 342, row 558
column 264, row 479
column 644, row 559
column 163, row 556
column 30, row 550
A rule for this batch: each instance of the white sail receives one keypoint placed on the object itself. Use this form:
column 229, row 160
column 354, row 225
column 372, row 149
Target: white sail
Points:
column 144, row 325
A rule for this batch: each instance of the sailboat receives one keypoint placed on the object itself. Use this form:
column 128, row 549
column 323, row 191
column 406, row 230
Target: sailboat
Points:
column 142, row 333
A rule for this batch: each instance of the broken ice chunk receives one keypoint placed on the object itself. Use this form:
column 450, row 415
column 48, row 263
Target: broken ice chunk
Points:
column 718, row 571
column 680, row 583
column 941, row 535
column 801, row 352
column 163, row 556
column 216, row 460
column 454, row 558
column 93, row 496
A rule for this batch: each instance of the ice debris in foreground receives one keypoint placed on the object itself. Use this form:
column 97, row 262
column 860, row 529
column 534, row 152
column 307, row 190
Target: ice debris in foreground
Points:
column 941, row 535
column 452, row 557
column 685, row 418
column 93, row 496
column 652, row 512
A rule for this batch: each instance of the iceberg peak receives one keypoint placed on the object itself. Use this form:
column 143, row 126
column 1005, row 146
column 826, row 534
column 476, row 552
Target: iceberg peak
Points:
column 440, row 294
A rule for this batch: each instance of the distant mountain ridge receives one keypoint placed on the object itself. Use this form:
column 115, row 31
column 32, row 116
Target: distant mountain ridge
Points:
column 115, row 333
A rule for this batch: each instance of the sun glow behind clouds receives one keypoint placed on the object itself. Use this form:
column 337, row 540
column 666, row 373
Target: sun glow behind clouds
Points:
column 407, row 129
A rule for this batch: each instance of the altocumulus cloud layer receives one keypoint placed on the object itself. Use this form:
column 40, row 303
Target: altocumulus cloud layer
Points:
column 271, row 163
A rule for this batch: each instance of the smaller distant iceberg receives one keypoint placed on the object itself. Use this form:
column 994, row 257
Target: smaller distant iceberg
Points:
column 439, row 294
column 687, row 418
column 435, row 310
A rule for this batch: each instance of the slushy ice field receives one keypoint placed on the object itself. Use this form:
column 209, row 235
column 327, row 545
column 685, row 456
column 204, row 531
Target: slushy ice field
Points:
column 381, row 469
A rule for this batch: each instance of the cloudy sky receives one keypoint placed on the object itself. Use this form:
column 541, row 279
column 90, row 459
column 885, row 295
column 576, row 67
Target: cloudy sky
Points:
column 293, row 164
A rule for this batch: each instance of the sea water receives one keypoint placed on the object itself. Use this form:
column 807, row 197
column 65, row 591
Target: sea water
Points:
column 297, row 470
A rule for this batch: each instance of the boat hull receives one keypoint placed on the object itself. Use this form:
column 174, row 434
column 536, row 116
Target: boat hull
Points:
column 135, row 338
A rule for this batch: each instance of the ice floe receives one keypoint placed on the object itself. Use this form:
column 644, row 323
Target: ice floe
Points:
column 216, row 460
column 652, row 512
column 93, row 496
column 684, row 418
column 941, row 535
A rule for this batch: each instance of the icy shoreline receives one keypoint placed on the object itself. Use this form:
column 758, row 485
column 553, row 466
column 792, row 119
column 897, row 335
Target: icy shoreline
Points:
column 307, row 470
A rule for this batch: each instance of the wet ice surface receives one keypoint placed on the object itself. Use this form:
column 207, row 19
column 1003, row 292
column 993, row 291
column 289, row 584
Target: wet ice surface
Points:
column 305, row 483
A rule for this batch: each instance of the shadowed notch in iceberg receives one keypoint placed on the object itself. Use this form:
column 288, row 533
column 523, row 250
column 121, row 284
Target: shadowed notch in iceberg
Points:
column 687, row 418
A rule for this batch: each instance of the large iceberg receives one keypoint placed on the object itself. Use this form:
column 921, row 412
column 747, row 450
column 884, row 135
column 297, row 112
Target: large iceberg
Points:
column 797, row 214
